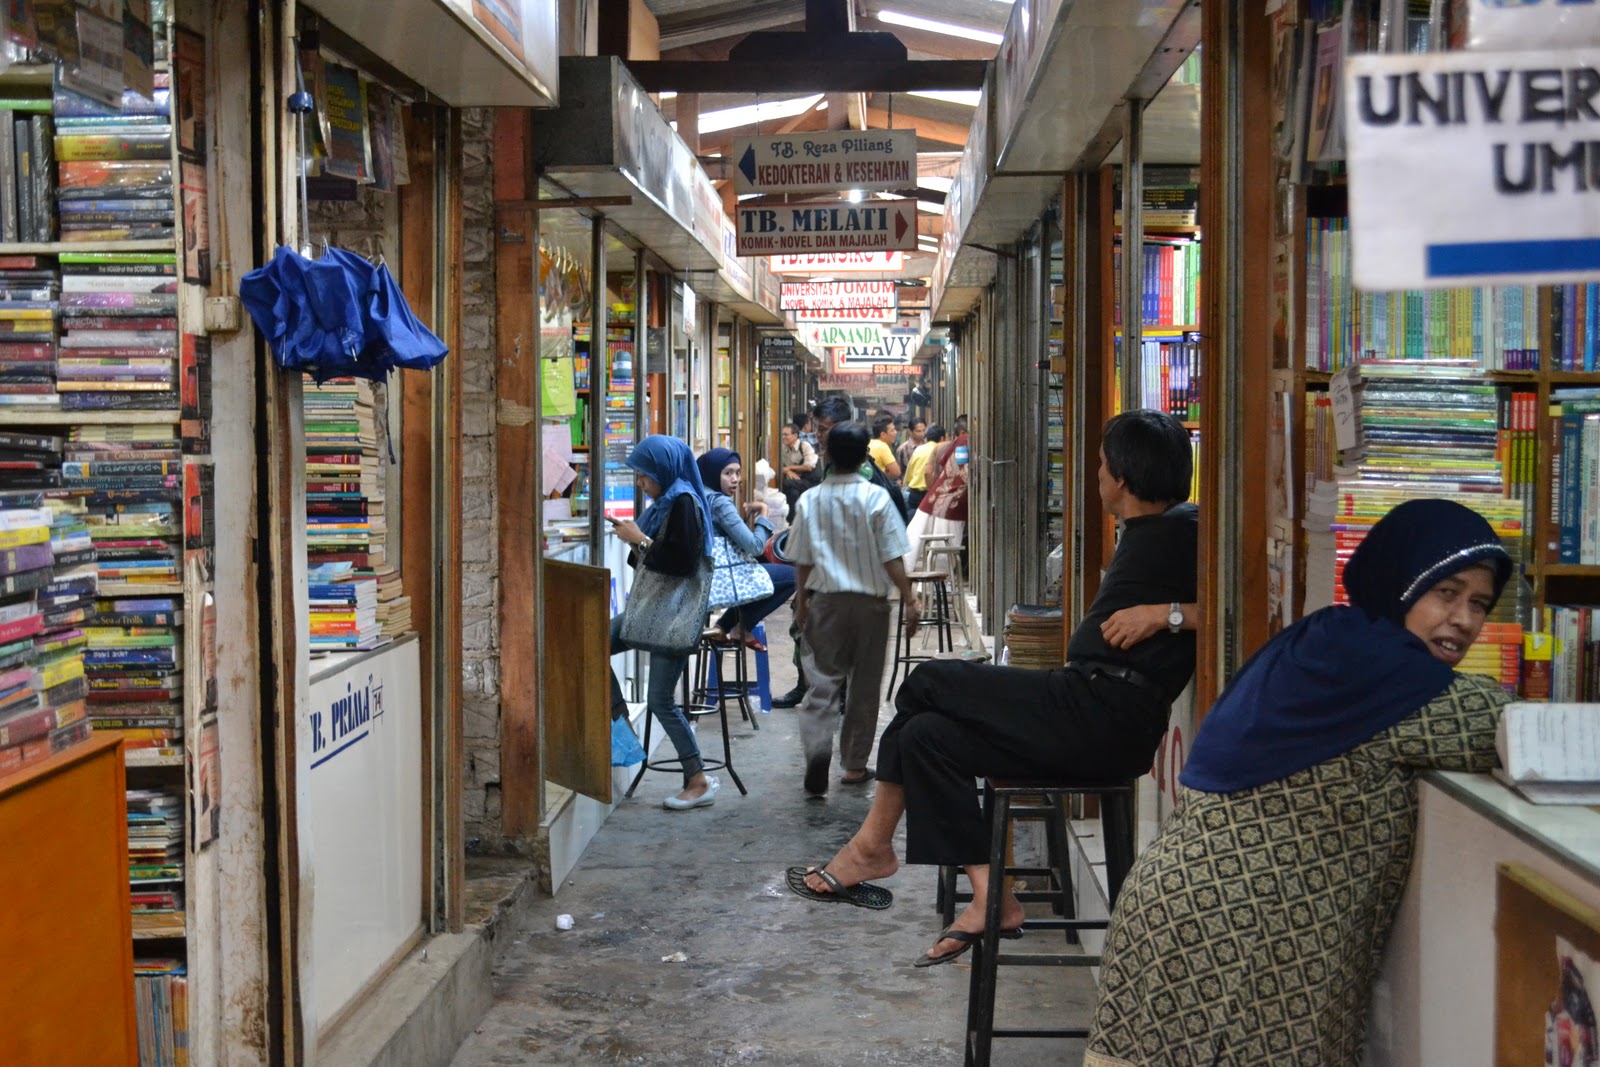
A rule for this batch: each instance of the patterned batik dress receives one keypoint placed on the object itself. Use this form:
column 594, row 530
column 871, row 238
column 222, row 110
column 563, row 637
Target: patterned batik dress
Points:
column 1251, row 930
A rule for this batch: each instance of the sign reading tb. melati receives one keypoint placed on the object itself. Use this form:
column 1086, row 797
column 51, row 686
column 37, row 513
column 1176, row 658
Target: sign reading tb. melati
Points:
column 1474, row 169
column 835, row 226
column 884, row 160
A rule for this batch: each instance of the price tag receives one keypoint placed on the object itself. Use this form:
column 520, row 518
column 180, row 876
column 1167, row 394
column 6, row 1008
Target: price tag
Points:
column 1342, row 391
column 1537, row 647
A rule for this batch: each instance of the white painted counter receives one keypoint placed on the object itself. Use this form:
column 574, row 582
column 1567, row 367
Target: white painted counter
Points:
column 1433, row 1005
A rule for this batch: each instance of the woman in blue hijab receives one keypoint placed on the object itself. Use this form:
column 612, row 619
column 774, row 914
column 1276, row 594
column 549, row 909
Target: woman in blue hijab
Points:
column 672, row 537
column 722, row 474
column 1276, row 881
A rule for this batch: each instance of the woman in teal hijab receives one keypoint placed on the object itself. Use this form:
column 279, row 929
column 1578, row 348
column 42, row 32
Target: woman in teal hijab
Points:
column 671, row 538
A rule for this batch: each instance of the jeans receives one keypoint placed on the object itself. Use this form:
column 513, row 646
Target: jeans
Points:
column 660, row 700
column 747, row 615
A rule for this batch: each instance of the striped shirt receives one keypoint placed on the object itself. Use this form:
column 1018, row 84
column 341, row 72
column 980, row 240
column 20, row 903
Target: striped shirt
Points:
column 846, row 529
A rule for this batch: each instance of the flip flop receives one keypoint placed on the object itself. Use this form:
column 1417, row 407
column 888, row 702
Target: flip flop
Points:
column 967, row 939
column 863, row 895
column 866, row 777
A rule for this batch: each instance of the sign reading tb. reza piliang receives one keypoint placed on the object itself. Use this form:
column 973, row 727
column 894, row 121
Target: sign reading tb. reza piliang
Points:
column 884, row 160
column 1474, row 168
column 834, row 226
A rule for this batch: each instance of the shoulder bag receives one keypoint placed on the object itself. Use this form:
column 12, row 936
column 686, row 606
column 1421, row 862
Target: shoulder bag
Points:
column 665, row 613
column 735, row 580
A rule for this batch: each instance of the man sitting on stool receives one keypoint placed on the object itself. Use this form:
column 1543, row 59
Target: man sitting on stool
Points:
column 1099, row 718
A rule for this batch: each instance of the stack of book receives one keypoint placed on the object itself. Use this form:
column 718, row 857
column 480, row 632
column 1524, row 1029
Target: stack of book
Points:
column 394, row 607
column 1429, row 428
column 1496, row 328
column 344, row 613
column 129, row 481
column 344, row 494
column 1575, row 328
column 155, row 861
column 42, row 596
column 1033, row 636
column 1574, row 449
column 27, row 180
column 30, row 289
column 161, row 1004
column 119, row 342
column 99, row 203
column 1571, row 669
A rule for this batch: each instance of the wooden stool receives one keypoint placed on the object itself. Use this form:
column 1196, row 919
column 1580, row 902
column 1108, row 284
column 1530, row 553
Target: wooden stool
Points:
column 1116, row 821
column 939, row 619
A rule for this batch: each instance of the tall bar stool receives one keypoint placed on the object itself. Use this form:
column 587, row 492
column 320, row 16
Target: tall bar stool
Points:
column 712, row 684
column 762, row 690
column 938, row 620
column 1055, row 876
column 1116, row 821
column 695, row 712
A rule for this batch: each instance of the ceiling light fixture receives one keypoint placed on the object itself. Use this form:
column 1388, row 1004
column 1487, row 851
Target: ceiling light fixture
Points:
column 896, row 18
column 750, row 114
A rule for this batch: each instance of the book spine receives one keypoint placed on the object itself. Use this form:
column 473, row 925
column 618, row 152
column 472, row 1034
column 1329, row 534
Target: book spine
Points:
column 22, row 151
column 1571, row 464
column 8, row 183
column 42, row 133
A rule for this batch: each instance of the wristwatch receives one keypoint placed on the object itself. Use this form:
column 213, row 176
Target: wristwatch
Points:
column 1175, row 618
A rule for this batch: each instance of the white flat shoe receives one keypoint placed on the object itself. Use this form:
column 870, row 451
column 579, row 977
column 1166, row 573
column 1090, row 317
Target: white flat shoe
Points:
column 704, row 800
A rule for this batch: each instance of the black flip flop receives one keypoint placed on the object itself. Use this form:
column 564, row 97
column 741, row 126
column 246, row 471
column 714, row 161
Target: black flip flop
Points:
column 866, row 777
column 864, row 895
column 967, row 939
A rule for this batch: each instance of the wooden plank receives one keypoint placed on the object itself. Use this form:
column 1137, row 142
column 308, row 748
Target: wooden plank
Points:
column 516, row 469
column 450, row 580
column 418, row 250
column 64, row 822
column 577, row 729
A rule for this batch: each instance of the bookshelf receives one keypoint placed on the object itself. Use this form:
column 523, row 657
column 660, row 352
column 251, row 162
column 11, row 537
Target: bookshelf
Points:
column 1520, row 350
column 126, row 363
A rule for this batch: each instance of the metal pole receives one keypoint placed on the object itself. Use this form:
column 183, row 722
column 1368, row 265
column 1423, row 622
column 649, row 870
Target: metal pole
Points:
column 599, row 383
column 641, row 359
column 1132, row 253
column 1077, row 347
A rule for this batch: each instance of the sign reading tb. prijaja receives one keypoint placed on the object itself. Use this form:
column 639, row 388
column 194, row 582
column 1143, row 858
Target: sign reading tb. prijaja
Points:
column 1474, row 168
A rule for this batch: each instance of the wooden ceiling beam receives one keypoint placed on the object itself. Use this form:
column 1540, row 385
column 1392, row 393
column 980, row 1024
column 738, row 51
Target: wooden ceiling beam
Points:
column 807, row 75
column 928, row 129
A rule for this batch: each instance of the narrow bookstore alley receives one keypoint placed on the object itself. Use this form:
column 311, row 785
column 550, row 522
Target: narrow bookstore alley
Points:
column 765, row 977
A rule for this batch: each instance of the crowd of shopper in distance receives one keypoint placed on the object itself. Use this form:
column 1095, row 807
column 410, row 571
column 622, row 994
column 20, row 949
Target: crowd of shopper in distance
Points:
column 1251, row 930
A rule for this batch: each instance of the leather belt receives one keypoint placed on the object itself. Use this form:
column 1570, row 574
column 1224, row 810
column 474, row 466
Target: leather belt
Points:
column 1092, row 668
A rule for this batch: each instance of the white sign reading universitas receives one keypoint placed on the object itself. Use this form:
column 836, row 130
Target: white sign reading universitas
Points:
column 815, row 296
column 883, row 160
column 831, row 226
column 1473, row 168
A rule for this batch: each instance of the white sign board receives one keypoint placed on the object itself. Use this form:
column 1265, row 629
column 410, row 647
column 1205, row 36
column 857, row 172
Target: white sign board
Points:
column 891, row 347
column 1506, row 25
column 360, row 762
column 817, row 296
column 869, row 160
column 831, row 226
column 884, row 315
column 818, row 335
column 840, row 263
column 1471, row 168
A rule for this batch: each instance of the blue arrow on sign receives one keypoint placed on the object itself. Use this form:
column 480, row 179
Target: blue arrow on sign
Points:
column 747, row 164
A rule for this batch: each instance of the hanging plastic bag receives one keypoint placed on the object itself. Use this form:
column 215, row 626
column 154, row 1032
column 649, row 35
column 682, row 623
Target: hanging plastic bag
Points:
column 625, row 748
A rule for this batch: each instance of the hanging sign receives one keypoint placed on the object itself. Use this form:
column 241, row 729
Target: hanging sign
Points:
column 813, row 296
column 777, row 354
column 840, row 263
column 845, row 383
column 831, row 226
column 881, row 315
column 869, row 160
column 817, row 336
column 891, row 347
column 1473, row 169
column 1504, row 25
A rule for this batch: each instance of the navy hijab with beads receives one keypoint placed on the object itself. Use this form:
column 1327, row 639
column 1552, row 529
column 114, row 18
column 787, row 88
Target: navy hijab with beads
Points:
column 1343, row 674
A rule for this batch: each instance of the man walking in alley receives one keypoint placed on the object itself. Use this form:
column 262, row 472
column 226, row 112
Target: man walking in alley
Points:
column 846, row 543
column 916, row 432
column 881, row 447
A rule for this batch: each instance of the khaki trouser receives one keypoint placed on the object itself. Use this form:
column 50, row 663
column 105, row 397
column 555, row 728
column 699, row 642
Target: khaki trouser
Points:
column 846, row 638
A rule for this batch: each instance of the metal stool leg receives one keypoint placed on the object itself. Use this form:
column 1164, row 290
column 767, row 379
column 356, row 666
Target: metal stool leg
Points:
column 727, row 749
column 644, row 764
column 741, row 675
column 985, row 954
column 1116, row 821
column 899, row 640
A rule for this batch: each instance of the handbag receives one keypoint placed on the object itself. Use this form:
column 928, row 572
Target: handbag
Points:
column 666, row 613
column 735, row 580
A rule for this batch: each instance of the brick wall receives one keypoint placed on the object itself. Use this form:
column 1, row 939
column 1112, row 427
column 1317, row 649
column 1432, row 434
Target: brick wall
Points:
column 480, row 639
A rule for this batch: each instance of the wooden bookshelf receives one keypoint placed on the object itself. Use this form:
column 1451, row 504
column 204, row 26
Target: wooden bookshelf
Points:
column 50, row 416
column 55, row 248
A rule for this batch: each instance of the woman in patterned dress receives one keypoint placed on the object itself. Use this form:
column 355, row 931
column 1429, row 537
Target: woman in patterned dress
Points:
column 1251, row 930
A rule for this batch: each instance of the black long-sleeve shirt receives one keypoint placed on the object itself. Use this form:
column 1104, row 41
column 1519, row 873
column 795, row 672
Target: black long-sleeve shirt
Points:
column 677, row 549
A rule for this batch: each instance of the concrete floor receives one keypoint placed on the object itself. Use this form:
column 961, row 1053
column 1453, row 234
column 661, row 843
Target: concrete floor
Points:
column 769, row 978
